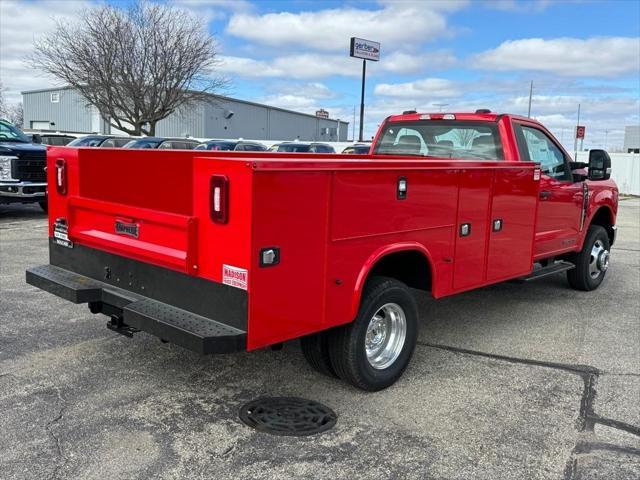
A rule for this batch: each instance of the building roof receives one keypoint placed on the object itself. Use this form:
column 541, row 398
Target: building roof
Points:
column 221, row 97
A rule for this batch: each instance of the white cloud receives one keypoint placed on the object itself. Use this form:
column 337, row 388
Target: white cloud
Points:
column 518, row 6
column 313, row 65
column 593, row 57
column 20, row 24
column 395, row 24
column 418, row 90
column 405, row 62
column 302, row 66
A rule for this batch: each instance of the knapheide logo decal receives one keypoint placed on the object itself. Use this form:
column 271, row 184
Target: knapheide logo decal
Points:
column 234, row 276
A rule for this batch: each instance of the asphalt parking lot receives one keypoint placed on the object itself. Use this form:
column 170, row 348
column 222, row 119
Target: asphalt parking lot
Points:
column 533, row 381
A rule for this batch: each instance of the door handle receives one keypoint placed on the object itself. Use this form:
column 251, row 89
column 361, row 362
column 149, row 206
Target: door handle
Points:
column 545, row 194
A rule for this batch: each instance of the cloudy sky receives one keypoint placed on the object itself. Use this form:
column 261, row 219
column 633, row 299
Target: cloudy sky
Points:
column 467, row 54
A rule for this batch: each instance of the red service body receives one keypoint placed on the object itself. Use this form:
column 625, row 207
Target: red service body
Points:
column 259, row 248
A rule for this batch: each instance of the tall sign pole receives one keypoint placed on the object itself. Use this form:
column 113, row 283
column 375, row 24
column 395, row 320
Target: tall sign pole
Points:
column 366, row 50
column 364, row 75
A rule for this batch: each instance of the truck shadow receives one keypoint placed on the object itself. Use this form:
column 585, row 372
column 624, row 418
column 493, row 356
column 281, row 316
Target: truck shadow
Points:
column 21, row 211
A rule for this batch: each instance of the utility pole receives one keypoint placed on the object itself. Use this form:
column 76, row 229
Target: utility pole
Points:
column 575, row 139
column 440, row 106
column 530, row 95
column 606, row 134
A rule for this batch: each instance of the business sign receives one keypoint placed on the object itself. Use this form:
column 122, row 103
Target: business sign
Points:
column 580, row 130
column 366, row 49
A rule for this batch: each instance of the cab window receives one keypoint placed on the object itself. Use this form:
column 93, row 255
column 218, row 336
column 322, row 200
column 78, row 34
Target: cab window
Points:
column 443, row 139
column 536, row 146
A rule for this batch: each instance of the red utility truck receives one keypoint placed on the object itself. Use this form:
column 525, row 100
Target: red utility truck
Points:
column 226, row 251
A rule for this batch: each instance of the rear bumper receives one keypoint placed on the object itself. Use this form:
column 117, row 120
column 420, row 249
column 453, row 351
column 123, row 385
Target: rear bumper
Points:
column 199, row 315
column 191, row 331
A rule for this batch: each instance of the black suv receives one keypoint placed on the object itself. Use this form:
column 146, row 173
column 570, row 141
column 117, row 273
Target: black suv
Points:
column 101, row 141
column 163, row 143
column 22, row 168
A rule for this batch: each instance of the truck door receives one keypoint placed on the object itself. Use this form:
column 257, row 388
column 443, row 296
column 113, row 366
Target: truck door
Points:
column 561, row 199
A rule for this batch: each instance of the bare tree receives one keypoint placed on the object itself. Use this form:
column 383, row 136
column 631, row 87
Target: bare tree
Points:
column 15, row 114
column 3, row 103
column 135, row 65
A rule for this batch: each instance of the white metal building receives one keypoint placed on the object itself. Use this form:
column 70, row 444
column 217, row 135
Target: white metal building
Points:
column 632, row 139
column 65, row 110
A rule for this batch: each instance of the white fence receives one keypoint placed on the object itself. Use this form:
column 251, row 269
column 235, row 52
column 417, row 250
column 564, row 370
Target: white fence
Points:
column 625, row 170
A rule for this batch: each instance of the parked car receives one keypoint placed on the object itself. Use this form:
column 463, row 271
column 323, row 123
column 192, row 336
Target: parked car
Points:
column 220, row 255
column 357, row 149
column 304, row 147
column 163, row 143
column 23, row 178
column 57, row 139
column 232, row 145
column 102, row 141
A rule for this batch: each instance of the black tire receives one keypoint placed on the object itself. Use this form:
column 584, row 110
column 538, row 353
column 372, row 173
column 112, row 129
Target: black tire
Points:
column 315, row 349
column 580, row 278
column 44, row 205
column 347, row 344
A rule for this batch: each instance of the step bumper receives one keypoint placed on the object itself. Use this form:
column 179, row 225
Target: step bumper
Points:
column 194, row 332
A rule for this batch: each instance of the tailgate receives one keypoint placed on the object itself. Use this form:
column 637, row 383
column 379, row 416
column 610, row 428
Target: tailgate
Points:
column 154, row 236
column 134, row 203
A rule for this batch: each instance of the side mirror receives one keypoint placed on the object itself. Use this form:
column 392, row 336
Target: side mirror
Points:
column 599, row 165
column 36, row 138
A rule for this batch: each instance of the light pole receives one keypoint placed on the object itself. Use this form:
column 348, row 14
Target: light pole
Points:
column 530, row 95
column 606, row 134
column 440, row 106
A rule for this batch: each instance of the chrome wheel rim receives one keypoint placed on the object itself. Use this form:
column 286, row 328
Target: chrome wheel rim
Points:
column 598, row 260
column 386, row 333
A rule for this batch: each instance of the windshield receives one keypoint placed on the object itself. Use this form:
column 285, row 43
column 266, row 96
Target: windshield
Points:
column 86, row 142
column 443, row 139
column 9, row 133
column 293, row 147
column 142, row 143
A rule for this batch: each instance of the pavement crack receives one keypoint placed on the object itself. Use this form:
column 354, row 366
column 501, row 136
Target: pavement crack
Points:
column 588, row 447
column 56, row 440
column 617, row 424
column 582, row 370
column 587, row 417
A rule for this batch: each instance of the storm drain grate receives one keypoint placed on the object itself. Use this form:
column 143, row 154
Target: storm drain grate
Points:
column 287, row 416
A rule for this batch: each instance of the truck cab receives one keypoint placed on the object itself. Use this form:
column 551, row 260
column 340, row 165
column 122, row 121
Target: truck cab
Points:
column 22, row 168
column 569, row 199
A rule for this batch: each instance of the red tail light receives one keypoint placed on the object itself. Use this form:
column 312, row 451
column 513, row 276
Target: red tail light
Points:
column 220, row 199
column 61, row 176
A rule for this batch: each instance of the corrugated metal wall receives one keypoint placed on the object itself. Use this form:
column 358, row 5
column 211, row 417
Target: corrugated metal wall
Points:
column 69, row 114
column 223, row 118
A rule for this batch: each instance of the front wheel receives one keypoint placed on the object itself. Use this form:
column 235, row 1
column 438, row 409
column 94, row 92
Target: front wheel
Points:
column 373, row 351
column 592, row 261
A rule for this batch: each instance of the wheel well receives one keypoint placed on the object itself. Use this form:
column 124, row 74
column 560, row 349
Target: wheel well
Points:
column 409, row 266
column 604, row 218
